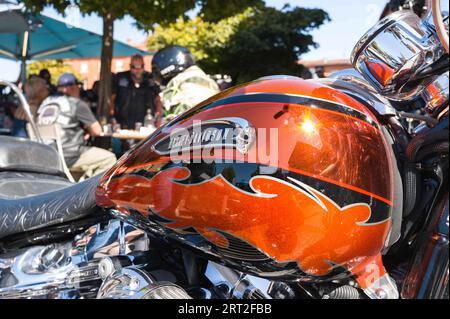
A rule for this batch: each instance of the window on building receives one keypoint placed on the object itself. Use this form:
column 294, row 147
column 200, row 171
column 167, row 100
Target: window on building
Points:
column 119, row 65
column 84, row 68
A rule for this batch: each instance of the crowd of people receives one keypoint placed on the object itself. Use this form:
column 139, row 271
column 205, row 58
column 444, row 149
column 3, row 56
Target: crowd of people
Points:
column 175, row 84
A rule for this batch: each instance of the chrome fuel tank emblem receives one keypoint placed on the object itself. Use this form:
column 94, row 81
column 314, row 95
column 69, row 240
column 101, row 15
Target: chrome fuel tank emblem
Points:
column 227, row 132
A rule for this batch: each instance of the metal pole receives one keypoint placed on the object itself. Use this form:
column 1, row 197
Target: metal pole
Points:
column 24, row 55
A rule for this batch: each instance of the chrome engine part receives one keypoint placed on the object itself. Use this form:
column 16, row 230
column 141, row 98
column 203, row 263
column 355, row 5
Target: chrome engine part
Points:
column 436, row 94
column 232, row 284
column 102, row 263
column 117, row 261
column 112, row 262
column 67, row 270
column 133, row 283
column 344, row 292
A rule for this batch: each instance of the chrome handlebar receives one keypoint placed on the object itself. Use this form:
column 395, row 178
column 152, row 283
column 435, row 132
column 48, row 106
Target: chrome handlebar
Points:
column 437, row 20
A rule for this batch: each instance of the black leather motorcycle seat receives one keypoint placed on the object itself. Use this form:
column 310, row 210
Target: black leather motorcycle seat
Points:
column 15, row 185
column 20, row 154
column 43, row 210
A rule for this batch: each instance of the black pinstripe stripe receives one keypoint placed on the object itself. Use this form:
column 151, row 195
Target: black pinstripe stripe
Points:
column 285, row 99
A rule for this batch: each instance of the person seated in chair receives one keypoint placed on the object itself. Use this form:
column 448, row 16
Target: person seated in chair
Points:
column 36, row 91
column 76, row 122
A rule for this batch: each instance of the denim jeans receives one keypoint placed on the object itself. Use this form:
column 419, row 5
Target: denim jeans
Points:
column 19, row 129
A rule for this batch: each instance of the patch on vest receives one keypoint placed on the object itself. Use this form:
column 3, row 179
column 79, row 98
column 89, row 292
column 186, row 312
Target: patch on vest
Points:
column 123, row 82
column 48, row 114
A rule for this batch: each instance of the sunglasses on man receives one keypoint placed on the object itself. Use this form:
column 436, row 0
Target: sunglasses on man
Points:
column 137, row 67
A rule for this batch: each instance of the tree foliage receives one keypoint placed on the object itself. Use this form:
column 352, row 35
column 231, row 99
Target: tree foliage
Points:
column 202, row 37
column 55, row 67
column 257, row 42
column 148, row 13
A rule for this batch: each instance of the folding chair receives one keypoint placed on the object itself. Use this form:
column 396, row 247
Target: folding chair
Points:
column 50, row 134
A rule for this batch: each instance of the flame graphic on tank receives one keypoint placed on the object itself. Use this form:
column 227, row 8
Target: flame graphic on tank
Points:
column 288, row 222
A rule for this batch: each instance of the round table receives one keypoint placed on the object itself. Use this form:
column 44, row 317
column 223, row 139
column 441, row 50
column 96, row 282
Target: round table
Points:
column 130, row 135
column 127, row 137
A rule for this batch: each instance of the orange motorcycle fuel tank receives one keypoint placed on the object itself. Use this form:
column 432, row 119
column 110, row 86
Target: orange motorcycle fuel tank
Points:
column 282, row 178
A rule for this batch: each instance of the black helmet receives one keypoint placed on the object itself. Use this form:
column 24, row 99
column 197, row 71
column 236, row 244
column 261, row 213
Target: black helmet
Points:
column 170, row 61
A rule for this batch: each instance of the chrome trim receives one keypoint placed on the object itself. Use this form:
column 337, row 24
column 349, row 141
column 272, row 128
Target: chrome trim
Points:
column 134, row 283
column 68, row 269
column 127, row 283
column 352, row 83
column 234, row 284
column 26, row 274
column 383, row 288
column 436, row 94
column 237, row 141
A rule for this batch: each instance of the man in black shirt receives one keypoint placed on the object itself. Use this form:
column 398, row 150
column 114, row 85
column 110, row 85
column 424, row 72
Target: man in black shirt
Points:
column 134, row 92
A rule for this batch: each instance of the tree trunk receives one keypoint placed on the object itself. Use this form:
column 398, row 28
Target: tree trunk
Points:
column 105, row 89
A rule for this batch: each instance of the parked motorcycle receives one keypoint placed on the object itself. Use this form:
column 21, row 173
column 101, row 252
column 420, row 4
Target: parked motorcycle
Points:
column 279, row 188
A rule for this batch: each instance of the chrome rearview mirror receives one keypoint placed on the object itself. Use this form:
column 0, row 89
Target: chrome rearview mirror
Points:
column 394, row 51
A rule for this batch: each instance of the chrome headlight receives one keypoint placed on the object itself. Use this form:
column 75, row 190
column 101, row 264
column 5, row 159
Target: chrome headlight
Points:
column 394, row 51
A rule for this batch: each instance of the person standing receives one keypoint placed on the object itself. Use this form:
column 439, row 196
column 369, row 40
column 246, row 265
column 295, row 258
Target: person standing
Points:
column 135, row 92
column 76, row 122
column 320, row 71
column 185, row 84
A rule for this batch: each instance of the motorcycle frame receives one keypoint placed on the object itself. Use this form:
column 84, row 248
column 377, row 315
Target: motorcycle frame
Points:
column 428, row 264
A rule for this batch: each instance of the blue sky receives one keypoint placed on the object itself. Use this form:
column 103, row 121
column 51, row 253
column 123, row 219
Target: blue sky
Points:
column 349, row 21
